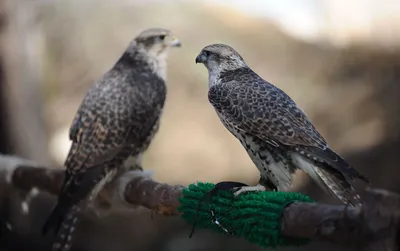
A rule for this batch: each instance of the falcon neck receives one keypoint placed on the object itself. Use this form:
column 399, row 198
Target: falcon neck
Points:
column 226, row 75
column 241, row 70
column 140, row 60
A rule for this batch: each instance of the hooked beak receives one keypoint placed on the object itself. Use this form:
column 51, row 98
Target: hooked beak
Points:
column 175, row 43
column 201, row 58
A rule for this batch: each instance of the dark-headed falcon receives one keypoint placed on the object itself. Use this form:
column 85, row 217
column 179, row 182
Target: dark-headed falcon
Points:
column 276, row 133
column 114, row 124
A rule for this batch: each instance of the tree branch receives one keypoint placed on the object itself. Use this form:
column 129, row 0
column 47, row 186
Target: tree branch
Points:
column 374, row 227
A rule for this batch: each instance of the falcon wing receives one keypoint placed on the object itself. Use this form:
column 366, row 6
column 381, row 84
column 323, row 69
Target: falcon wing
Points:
column 262, row 110
column 104, row 125
column 255, row 107
column 97, row 137
column 95, row 140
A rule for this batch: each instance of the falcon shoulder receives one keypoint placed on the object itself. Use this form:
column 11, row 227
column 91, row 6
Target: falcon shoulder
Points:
column 254, row 106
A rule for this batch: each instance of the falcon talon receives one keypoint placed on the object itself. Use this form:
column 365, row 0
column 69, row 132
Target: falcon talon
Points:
column 235, row 190
column 257, row 188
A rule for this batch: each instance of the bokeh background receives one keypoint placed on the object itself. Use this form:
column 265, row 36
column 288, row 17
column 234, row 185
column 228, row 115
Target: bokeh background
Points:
column 339, row 60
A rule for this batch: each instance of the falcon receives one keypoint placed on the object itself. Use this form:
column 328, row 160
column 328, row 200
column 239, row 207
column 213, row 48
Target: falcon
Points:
column 276, row 133
column 113, row 126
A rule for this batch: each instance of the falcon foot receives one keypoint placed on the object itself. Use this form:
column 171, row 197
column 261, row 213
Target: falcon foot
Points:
column 227, row 186
column 258, row 188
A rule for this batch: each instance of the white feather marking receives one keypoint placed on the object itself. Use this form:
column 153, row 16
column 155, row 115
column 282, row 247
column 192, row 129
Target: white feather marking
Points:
column 213, row 79
column 304, row 164
column 133, row 161
column 124, row 180
column 108, row 177
column 307, row 166
column 10, row 173
column 278, row 174
column 25, row 207
column 10, row 163
column 130, row 161
column 161, row 69
column 33, row 193
column 25, row 204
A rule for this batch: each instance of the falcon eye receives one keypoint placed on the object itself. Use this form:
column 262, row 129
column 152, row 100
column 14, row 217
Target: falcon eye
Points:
column 207, row 53
column 161, row 37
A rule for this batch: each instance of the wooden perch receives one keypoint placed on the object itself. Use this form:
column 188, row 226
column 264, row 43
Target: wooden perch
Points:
column 374, row 227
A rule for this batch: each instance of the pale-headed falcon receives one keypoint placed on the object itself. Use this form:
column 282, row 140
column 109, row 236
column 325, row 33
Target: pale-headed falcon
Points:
column 276, row 133
column 115, row 122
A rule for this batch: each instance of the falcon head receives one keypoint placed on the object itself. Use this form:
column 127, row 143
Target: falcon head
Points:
column 218, row 58
column 156, row 42
column 152, row 46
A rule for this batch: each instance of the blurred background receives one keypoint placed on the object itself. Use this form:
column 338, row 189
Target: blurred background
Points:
column 339, row 60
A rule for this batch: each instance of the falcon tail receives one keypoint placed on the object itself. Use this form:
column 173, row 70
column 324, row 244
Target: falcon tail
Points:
column 332, row 160
column 64, row 220
column 329, row 179
column 338, row 186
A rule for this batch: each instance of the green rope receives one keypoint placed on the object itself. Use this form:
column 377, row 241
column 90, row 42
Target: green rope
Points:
column 254, row 216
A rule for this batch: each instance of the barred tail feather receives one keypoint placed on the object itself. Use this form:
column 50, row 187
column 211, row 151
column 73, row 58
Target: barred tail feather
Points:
column 333, row 160
column 64, row 216
column 339, row 186
column 329, row 179
column 63, row 238
column 56, row 217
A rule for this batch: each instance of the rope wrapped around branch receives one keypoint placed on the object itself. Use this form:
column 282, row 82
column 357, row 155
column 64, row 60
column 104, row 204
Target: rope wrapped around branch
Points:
column 255, row 216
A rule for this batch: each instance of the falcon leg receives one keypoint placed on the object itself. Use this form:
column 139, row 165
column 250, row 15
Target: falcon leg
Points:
column 133, row 163
column 139, row 160
column 267, row 184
